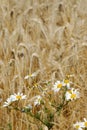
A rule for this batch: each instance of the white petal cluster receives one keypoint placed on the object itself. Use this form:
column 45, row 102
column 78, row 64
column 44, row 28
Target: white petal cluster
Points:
column 19, row 96
column 14, row 98
column 72, row 94
column 78, row 125
column 9, row 101
column 38, row 100
column 81, row 125
column 28, row 76
column 57, row 86
column 85, row 122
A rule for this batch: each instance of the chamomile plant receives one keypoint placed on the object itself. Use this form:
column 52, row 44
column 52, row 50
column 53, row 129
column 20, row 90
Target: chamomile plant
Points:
column 43, row 106
column 12, row 99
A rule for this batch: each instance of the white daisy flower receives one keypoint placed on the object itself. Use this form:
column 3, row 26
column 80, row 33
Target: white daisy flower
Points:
column 78, row 125
column 57, row 86
column 66, row 83
column 85, row 122
column 19, row 96
column 72, row 94
column 14, row 98
column 38, row 100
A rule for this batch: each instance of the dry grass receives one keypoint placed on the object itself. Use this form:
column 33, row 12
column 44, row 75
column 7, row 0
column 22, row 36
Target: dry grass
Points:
column 49, row 36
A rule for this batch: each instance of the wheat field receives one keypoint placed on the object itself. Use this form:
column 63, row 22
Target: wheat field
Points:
column 48, row 37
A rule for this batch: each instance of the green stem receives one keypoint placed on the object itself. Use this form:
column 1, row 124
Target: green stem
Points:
column 48, row 124
column 36, row 117
column 18, row 109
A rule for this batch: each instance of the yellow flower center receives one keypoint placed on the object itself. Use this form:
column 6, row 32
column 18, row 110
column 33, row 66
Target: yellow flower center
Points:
column 86, row 124
column 18, row 97
column 77, row 126
column 59, row 85
column 66, row 81
column 73, row 96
